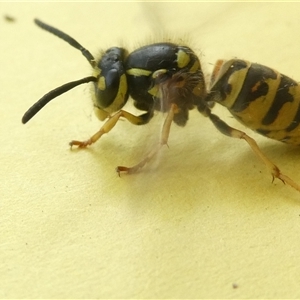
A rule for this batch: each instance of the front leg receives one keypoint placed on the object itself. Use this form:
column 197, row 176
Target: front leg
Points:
column 110, row 124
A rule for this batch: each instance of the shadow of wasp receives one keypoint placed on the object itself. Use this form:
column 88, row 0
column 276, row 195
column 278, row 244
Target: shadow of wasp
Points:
column 167, row 77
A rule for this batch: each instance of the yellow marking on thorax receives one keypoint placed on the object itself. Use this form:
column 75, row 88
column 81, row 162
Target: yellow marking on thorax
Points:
column 195, row 67
column 138, row 72
column 119, row 101
column 101, row 83
column 183, row 59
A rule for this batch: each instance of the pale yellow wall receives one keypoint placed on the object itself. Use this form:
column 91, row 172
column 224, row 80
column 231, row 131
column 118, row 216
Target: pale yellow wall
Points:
column 202, row 219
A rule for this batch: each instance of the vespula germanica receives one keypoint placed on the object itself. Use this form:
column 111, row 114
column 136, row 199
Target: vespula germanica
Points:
column 167, row 77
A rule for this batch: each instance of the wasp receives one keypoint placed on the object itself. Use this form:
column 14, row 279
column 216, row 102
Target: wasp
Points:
column 168, row 78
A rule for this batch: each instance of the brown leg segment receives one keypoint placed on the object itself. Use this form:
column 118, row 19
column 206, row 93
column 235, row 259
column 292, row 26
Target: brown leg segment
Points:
column 163, row 141
column 110, row 124
column 235, row 133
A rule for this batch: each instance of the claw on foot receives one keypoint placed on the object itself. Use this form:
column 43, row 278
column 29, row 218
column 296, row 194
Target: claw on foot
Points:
column 79, row 144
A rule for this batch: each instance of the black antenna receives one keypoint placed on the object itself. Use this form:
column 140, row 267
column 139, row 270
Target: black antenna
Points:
column 35, row 108
column 68, row 39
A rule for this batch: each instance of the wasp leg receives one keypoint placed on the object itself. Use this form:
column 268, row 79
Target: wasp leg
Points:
column 163, row 141
column 109, row 125
column 235, row 133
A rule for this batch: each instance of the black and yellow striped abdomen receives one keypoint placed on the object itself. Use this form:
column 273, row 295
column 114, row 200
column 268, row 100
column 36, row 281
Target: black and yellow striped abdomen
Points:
column 259, row 97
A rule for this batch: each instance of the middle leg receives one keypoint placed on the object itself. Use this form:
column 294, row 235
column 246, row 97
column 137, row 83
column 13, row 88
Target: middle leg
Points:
column 163, row 141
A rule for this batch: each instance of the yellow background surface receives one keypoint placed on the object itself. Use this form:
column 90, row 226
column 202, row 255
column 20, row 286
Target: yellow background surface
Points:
column 203, row 220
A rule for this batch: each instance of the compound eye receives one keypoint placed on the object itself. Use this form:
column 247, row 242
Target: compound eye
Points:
column 112, row 80
column 107, row 88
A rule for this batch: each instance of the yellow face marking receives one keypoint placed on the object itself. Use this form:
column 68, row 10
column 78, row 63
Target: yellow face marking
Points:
column 138, row 72
column 96, row 71
column 183, row 59
column 120, row 98
column 101, row 83
column 100, row 113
